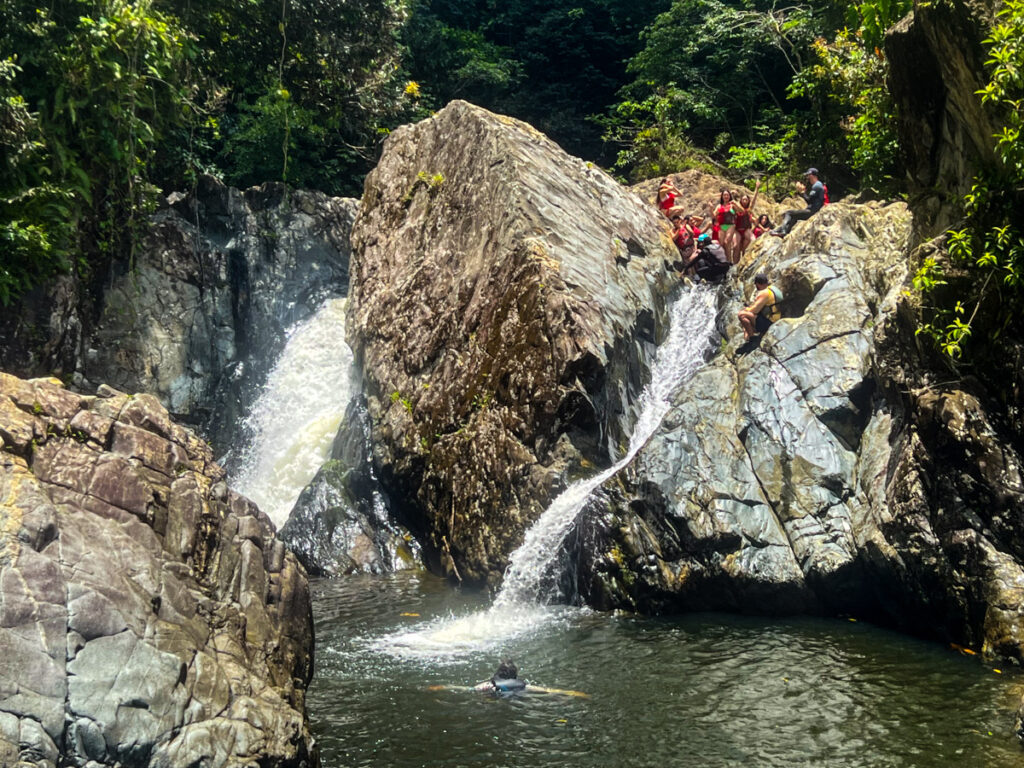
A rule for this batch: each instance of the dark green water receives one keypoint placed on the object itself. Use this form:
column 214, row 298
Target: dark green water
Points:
column 706, row 690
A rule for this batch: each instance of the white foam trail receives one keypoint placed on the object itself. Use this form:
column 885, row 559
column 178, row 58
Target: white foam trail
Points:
column 297, row 414
column 520, row 607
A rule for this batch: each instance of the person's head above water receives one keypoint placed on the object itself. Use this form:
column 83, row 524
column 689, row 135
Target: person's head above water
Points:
column 506, row 670
column 761, row 280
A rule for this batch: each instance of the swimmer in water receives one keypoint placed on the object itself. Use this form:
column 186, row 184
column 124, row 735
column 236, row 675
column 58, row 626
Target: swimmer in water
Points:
column 505, row 682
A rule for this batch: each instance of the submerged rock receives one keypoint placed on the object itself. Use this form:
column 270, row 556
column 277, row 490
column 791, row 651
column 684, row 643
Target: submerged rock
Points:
column 505, row 303
column 149, row 615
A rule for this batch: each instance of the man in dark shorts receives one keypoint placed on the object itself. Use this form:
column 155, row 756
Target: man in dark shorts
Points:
column 815, row 197
column 758, row 316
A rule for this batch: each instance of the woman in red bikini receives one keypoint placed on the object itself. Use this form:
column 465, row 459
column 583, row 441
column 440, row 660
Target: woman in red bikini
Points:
column 743, row 234
column 667, row 194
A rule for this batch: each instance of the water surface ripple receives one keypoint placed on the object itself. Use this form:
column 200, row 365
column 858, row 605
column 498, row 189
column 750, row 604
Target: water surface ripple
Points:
column 703, row 690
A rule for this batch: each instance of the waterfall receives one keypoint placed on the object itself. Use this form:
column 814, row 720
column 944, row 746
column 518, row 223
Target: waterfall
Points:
column 678, row 358
column 297, row 415
column 521, row 605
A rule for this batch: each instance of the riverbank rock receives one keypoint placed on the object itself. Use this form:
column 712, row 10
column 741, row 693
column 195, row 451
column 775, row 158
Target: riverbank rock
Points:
column 936, row 61
column 808, row 473
column 505, row 302
column 149, row 616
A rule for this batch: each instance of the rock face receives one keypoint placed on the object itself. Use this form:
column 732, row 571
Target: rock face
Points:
column 148, row 615
column 505, row 301
column 936, row 66
column 342, row 522
column 219, row 279
column 200, row 315
column 802, row 475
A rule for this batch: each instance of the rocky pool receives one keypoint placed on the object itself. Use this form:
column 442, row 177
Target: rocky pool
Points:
column 705, row 690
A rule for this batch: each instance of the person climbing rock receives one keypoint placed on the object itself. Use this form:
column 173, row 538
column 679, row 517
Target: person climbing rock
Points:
column 709, row 261
column 758, row 316
column 815, row 197
column 504, row 680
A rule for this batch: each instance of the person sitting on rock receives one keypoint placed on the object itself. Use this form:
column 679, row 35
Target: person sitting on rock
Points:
column 764, row 224
column 709, row 262
column 758, row 316
column 684, row 240
column 815, row 197
column 667, row 194
column 504, row 681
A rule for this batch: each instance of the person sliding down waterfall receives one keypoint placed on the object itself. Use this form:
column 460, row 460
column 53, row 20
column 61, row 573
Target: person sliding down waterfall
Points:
column 709, row 262
column 816, row 197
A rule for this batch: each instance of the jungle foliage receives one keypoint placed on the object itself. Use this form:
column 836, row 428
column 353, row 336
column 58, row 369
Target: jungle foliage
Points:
column 104, row 102
column 765, row 87
column 974, row 302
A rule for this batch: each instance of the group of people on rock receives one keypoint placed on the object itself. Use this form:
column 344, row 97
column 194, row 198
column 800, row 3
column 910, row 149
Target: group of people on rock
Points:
column 709, row 247
column 731, row 225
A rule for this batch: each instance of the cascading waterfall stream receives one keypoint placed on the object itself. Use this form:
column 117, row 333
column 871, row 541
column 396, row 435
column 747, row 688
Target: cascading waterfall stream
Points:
column 297, row 415
column 678, row 358
column 521, row 605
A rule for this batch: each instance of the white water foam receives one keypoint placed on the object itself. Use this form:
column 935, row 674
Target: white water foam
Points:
column 521, row 607
column 297, row 415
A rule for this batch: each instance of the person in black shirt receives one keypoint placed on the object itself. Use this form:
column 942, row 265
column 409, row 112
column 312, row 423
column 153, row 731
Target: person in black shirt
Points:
column 815, row 197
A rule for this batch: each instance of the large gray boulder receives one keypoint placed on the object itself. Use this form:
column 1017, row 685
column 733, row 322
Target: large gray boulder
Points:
column 820, row 470
column 200, row 315
column 504, row 306
column 148, row 615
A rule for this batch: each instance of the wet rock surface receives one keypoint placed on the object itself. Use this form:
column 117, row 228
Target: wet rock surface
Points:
column 800, row 473
column 200, row 318
column 148, row 615
column 936, row 68
column 505, row 303
column 342, row 523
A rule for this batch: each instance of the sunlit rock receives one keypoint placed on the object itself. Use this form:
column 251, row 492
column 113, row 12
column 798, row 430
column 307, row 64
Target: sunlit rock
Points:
column 149, row 614
column 505, row 303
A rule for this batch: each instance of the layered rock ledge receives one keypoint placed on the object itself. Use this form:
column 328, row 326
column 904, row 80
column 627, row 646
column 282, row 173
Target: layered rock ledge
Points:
column 505, row 302
column 148, row 615
column 821, row 471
